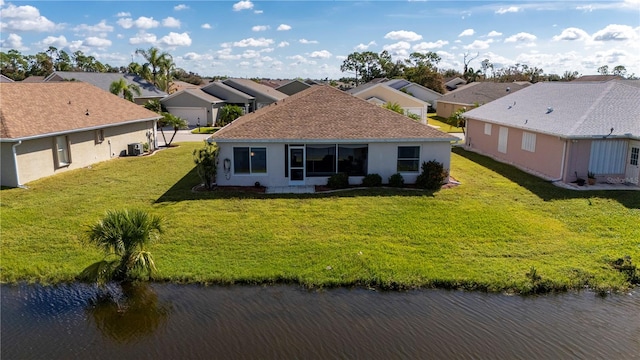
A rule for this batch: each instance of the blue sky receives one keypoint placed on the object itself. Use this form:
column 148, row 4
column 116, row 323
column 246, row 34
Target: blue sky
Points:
column 288, row 39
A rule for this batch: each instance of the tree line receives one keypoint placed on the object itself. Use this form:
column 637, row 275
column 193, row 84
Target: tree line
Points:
column 422, row 68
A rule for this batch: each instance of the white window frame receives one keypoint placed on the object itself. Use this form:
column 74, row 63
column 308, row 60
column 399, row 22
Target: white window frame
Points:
column 503, row 138
column 251, row 151
column 487, row 128
column 528, row 141
column 63, row 151
column 398, row 159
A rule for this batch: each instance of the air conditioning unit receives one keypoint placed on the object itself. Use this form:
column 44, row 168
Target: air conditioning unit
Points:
column 134, row 149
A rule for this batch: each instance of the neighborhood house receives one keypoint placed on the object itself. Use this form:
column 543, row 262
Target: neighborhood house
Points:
column 47, row 128
column 564, row 131
column 321, row 131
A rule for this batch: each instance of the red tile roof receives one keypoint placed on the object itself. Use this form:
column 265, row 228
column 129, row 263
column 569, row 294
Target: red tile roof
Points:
column 324, row 113
column 33, row 109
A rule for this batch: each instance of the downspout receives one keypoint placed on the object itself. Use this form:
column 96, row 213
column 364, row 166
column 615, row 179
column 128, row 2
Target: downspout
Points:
column 564, row 153
column 155, row 133
column 15, row 161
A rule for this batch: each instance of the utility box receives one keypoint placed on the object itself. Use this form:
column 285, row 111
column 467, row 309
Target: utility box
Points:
column 134, row 149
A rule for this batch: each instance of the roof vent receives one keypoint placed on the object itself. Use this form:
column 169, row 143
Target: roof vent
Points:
column 508, row 89
column 549, row 110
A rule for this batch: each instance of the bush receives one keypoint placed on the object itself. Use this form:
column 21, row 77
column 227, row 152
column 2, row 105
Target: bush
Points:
column 432, row 176
column 338, row 181
column 372, row 180
column 206, row 160
column 396, row 180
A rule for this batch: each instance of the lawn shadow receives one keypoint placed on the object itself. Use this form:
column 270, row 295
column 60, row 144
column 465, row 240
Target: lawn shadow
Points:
column 545, row 189
column 183, row 191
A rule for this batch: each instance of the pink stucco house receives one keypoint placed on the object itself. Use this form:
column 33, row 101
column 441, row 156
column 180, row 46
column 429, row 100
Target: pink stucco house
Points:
column 562, row 131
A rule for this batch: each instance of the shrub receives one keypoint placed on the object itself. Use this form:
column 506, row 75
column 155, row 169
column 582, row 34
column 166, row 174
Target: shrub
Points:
column 372, row 180
column 396, row 180
column 338, row 181
column 206, row 160
column 432, row 176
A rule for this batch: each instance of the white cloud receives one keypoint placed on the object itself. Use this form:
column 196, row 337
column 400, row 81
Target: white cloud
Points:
column 243, row 5
column 143, row 38
column 100, row 27
column 403, row 35
column 206, row 26
column 510, row 9
column 261, row 42
column 195, row 56
column 521, row 37
column 426, row 46
column 141, row 23
column 363, row 47
column 126, row 23
column 494, row 33
column 97, row 42
column 305, row 41
column 258, row 11
column 283, row 44
column 615, row 32
column 467, row 32
column 13, row 41
column 323, row 54
column 226, row 54
column 24, row 18
column 58, row 42
column 258, row 28
column 284, row 27
column 399, row 48
column 572, row 34
column 180, row 7
column 478, row 45
column 123, row 14
column 171, row 22
column 175, row 39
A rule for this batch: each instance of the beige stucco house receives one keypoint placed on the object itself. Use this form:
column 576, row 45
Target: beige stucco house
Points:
column 563, row 131
column 381, row 94
column 48, row 128
column 304, row 139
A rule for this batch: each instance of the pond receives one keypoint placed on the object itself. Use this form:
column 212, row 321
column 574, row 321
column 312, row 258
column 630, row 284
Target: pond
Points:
column 169, row 321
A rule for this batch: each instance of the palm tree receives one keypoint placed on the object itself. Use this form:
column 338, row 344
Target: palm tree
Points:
column 155, row 59
column 170, row 120
column 123, row 236
column 122, row 87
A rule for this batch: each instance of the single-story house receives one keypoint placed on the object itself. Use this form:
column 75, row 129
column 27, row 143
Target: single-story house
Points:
column 148, row 91
column 230, row 95
column 34, row 79
column 381, row 94
column 194, row 105
column 416, row 90
column 48, row 128
column 601, row 78
column 5, row 79
column 293, row 87
column 263, row 95
column 454, row 83
column 475, row 94
column 563, row 131
column 321, row 131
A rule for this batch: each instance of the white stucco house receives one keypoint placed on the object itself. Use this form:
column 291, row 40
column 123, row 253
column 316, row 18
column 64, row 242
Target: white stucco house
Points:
column 48, row 128
column 321, row 131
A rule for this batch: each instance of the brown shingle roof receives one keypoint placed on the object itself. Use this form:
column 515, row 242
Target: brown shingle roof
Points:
column 324, row 113
column 481, row 92
column 29, row 110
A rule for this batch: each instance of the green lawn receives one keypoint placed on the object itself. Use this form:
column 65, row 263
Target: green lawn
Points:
column 485, row 234
column 436, row 120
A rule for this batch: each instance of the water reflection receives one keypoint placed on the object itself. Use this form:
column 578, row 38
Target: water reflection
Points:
column 168, row 321
column 127, row 316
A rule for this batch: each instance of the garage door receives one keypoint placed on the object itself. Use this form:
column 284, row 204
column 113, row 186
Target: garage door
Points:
column 190, row 114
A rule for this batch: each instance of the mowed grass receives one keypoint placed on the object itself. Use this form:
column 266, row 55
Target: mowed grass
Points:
column 484, row 234
column 434, row 119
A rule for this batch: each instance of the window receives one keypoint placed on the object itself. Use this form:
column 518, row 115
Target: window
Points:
column 62, row 151
column 99, row 136
column 321, row 160
column 487, row 129
column 635, row 153
column 408, row 158
column 352, row 159
column 502, row 139
column 249, row 160
column 607, row 157
column 528, row 141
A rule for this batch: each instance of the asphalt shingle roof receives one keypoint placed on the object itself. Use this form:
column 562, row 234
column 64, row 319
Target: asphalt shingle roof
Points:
column 575, row 109
column 254, row 89
column 33, row 109
column 480, row 92
column 104, row 80
column 322, row 113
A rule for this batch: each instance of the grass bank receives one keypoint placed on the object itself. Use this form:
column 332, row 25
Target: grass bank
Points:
column 486, row 234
